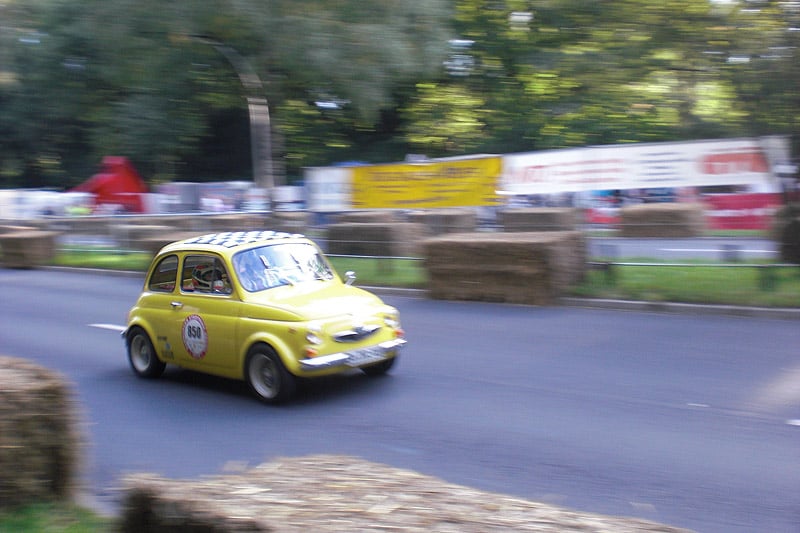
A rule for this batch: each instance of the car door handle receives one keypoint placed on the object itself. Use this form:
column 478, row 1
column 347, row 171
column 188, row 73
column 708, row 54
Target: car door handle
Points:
column 176, row 305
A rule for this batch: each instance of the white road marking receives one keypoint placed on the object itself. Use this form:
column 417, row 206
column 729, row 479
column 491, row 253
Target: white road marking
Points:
column 112, row 327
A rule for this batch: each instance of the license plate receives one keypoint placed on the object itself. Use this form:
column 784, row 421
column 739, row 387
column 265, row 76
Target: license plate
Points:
column 365, row 355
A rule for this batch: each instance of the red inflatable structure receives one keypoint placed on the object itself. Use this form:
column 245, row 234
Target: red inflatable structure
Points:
column 117, row 184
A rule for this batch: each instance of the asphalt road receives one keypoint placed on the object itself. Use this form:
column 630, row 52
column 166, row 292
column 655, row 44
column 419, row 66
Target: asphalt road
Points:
column 689, row 420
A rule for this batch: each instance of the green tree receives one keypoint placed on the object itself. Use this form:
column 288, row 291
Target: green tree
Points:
column 573, row 73
column 139, row 78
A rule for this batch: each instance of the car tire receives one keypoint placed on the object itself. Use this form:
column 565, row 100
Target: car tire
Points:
column 379, row 369
column 142, row 355
column 267, row 377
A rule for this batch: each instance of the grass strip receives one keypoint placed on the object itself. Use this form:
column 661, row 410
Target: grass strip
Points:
column 54, row 518
column 767, row 285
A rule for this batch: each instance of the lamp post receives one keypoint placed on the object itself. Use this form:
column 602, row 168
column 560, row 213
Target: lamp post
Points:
column 258, row 109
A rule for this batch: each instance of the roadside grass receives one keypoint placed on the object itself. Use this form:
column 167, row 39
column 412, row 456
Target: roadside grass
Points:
column 408, row 273
column 764, row 285
column 54, row 518
column 102, row 258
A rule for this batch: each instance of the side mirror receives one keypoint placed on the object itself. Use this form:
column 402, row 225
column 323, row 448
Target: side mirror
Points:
column 350, row 277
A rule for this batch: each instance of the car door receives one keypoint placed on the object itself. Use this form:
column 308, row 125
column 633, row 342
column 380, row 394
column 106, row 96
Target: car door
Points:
column 204, row 315
column 155, row 304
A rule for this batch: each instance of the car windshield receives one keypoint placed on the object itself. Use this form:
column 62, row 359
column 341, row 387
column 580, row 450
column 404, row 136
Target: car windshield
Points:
column 280, row 264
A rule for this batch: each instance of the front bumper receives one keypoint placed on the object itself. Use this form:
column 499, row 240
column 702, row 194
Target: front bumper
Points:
column 354, row 358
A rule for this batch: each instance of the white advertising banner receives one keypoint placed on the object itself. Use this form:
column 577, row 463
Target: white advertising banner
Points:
column 644, row 166
column 329, row 189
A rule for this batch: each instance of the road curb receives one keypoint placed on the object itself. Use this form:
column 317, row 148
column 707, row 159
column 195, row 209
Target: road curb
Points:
column 632, row 305
column 685, row 308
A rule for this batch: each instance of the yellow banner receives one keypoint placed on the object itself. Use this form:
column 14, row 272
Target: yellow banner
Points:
column 458, row 183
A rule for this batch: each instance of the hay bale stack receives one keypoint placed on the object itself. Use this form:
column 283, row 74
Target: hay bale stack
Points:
column 129, row 235
column 400, row 239
column 538, row 219
column 442, row 221
column 28, row 248
column 662, row 220
column 152, row 244
column 83, row 225
column 289, row 221
column 328, row 493
column 39, row 439
column 5, row 229
column 236, row 222
column 366, row 217
column 524, row 268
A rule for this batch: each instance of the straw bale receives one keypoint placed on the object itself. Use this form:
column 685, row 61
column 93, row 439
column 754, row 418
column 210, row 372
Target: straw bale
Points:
column 8, row 228
column 155, row 242
column 399, row 239
column 129, row 235
column 28, row 248
column 236, row 222
column 440, row 221
column 384, row 216
column 675, row 220
column 538, row 219
column 39, row 437
column 81, row 225
column 526, row 268
column 289, row 221
column 331, row 493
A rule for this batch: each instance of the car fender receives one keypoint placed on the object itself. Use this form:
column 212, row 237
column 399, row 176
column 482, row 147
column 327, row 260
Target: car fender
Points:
column 140, row 323
column 284, row 351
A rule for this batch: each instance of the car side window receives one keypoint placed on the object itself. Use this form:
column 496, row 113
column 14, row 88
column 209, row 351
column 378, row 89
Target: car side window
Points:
column 164, row 275
column 204, row 273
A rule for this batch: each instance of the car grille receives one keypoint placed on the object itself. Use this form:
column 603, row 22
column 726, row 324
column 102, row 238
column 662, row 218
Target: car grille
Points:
column 356, row 334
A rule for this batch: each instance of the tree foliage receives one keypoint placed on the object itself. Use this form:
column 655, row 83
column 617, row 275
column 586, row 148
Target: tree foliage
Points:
column 572, row 73
column 372, row 81
column 143, row 79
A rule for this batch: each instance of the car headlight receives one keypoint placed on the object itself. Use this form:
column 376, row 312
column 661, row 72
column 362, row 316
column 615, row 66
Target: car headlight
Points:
column 314, row 334
column 392, row 320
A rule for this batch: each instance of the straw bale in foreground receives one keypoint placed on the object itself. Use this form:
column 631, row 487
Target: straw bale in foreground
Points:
column 39, row 438
column 328, row 493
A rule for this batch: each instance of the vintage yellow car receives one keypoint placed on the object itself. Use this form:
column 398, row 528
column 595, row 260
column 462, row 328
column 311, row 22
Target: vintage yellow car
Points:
column 260, row 306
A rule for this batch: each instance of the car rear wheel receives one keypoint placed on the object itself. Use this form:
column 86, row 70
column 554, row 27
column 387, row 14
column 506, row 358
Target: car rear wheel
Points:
column 142, row 356
column 379, row 369
column 266, row 375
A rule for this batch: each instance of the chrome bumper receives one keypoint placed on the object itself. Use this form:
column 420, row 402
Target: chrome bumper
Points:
column 352, row 358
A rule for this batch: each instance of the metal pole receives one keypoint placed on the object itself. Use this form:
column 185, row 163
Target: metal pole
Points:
column 258, row 109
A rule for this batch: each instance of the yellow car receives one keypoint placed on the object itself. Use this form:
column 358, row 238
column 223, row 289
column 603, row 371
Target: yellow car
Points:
column 261, row 306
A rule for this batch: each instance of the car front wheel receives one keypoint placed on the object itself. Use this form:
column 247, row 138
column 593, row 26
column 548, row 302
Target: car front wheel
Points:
column 142, row 356
column 266, row 375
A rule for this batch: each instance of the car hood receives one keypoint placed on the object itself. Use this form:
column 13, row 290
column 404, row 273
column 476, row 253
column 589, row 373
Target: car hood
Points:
column 316, row 300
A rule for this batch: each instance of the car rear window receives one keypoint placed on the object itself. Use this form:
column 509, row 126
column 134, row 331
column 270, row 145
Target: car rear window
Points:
column 164, row 275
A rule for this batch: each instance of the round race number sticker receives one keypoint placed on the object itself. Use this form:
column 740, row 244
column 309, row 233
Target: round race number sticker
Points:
column 195, row 336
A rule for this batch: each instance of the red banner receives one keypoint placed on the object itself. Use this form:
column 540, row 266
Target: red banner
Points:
column 741, row 211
